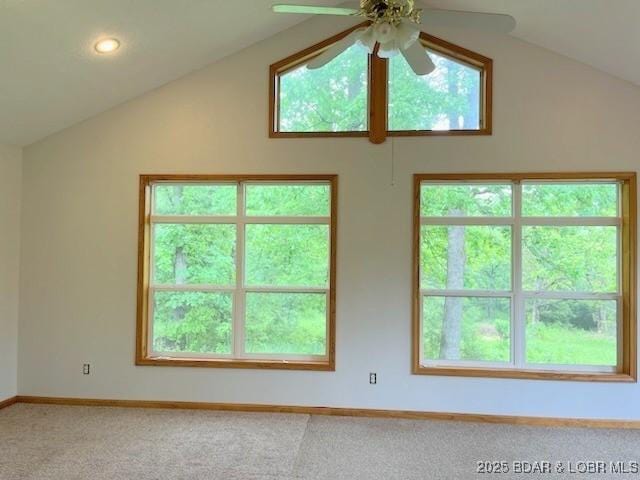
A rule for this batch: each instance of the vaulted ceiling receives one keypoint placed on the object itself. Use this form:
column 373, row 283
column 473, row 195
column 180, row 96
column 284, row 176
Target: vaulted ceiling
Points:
column 600, row 33
column 50, row 78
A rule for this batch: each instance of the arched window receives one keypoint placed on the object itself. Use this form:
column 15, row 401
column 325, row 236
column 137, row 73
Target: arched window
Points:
column 362, row 95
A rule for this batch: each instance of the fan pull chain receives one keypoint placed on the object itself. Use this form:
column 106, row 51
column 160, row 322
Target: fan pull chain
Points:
column 393, row 163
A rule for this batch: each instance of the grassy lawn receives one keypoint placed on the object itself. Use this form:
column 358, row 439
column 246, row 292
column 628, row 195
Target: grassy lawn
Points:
column 566, row 345
column 546, row 344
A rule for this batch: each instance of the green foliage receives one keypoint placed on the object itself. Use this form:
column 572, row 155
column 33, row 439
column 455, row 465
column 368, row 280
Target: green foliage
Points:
column 292, row 323
column 334, row 98
column 287, row 255
column 465, row 200
column 275, row 255
column 330, row 99
column 570, row 200
column 555, row 259
column 487, row 266
column 288, row 200
column 194, row 254
column 193, row 322
column 448, row 98
column 566, row 345
column 485, row 328
column 581, row 259
column 593, row 315
column 195, row 200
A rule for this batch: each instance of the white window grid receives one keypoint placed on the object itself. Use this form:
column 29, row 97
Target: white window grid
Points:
column 517, row 296
column 239, row 290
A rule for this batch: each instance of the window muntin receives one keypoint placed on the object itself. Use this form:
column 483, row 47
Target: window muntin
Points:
column 566, row 301
column 330, row 99
column 256, row 286
column 447, row 99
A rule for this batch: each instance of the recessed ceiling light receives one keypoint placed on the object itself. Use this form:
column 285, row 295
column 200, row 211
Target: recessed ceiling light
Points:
column 107, row 45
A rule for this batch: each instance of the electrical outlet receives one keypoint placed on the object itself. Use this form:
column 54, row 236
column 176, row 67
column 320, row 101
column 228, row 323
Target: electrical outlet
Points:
column 86, row 369
column 373, row 378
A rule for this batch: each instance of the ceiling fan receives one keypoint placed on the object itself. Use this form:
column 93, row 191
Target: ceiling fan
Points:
column 394, row 28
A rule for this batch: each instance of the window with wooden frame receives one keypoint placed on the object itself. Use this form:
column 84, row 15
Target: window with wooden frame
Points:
column 237, row 271
column 362, row 95
column 525, row 276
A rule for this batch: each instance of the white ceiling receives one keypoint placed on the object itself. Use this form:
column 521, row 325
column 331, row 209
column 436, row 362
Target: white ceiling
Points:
column 600, row 33
column 50, row 78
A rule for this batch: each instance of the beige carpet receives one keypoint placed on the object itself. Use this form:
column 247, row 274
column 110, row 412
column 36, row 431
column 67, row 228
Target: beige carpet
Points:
column 77, row 443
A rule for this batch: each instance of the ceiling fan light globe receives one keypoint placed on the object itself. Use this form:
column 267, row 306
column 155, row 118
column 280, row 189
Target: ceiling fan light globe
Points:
column 388, row 50
column 385, row 32
column 404, row 37
column 367, row 39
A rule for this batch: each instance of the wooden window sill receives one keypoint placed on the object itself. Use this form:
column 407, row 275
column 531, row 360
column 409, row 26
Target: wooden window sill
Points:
column 526, row 374
column 389, row 133
column 358, row 134
column 324, row 366
column 438, row 133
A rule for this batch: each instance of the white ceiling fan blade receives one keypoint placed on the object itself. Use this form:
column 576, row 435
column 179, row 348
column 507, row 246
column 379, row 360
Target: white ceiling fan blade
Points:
column 493, row 22
column 418, row 59
column 334, row 50
column 311, row 10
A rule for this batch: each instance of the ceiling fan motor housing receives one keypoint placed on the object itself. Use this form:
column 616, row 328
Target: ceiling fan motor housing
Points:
column 390, row 11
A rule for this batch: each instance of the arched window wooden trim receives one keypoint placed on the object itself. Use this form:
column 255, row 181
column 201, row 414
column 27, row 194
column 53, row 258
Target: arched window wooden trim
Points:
column 378, row 90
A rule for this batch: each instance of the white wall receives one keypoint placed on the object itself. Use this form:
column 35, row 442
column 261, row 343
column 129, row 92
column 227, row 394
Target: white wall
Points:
column 10, row 181
column 78, row 298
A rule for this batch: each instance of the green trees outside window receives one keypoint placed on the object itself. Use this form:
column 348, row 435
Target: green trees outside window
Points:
column 446, row 99
column 330, row 99
column 521, row 274
column 240, row 269
column 358, row 94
